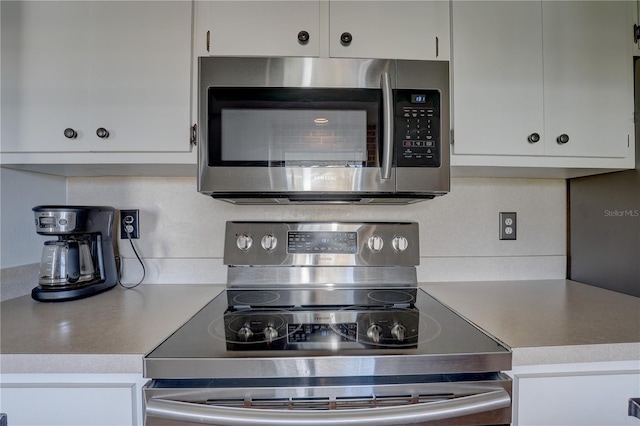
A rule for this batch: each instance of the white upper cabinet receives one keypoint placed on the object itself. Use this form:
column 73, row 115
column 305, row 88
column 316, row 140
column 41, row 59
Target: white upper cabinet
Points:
column 636, row 28
column 357, row 29
column 588, row 80
column 258, row 28
column 497, row 77
column 534, row 81
column 389, row 29
column 96, row 76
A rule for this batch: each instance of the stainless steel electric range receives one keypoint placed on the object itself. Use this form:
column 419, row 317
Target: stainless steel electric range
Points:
column 323, row 323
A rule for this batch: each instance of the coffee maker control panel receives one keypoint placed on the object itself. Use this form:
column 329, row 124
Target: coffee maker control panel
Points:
column 56, row 222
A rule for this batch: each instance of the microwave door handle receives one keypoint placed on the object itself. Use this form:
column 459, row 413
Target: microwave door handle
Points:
column 387, row 118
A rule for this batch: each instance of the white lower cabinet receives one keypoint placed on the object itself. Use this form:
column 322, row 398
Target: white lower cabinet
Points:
column 72, row 399
column 576, row 394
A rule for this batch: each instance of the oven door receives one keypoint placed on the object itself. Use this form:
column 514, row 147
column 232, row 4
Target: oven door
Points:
column 472, row 399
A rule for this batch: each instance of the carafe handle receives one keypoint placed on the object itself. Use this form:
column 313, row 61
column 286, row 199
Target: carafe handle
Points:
column 73, row 262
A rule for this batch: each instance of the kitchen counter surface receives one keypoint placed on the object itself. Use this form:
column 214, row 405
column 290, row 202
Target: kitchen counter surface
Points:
column 544, row 322
column 550, row 321
column 106, row 333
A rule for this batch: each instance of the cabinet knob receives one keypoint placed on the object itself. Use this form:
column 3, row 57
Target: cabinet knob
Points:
column 563, row 138
column 534, row 137
column 345, row 39
column 70, row 133
column 102, row 133
column 303, row 37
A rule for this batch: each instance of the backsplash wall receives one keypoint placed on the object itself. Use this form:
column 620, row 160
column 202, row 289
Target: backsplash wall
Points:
column 182, row 231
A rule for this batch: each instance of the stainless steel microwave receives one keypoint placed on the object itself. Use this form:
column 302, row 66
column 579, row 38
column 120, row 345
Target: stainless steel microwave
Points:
column 322, row 130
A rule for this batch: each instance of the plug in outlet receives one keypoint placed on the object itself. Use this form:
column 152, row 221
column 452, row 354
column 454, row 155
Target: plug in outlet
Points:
column 129, row 222
column 508, row 225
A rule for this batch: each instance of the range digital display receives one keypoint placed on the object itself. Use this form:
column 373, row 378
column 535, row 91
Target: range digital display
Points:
column 322, row 242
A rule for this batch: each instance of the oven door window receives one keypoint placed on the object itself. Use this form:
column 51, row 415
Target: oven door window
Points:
column 278, row 127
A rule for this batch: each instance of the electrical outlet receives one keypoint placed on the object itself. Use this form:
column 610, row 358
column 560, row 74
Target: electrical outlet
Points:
column 129, row 221
column 508, row 225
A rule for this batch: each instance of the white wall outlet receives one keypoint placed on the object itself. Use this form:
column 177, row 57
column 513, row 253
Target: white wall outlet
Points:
column 508, row 225
column 129, row 224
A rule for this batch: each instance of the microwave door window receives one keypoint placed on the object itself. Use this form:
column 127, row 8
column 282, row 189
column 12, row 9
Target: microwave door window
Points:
column 295, row 137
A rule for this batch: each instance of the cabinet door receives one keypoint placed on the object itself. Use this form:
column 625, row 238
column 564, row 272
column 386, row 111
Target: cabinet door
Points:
column 69, row 404
column 257, row 28
column 84, row 65
column 141, row 75
column 636, row 15
column 497, row 77
column 390, row 29
column 576, row 399
column 45, row 74
column 588, row 83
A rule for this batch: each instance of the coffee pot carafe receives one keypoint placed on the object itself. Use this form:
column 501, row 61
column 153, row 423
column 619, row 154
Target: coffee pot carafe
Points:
column 81, row 262
column 66, row 263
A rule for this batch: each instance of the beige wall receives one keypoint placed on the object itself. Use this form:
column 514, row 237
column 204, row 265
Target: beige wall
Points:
column 182, row 230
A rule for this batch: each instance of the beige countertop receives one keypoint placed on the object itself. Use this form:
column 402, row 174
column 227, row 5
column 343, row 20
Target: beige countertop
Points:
column 544, row 322
column 107, row 333
column 550, row 321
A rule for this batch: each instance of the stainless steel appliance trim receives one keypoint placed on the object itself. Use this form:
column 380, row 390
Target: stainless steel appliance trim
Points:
column 425, row 412
column 388, row 118
column 388, row 362
column 328, row 276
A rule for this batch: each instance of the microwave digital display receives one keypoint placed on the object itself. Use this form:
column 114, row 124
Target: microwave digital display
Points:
column 418, row 99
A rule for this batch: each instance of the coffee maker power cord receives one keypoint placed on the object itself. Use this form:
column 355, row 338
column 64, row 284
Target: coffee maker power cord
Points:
column 119, row 265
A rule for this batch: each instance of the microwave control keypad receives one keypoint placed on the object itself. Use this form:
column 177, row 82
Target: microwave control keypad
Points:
column 417, row 132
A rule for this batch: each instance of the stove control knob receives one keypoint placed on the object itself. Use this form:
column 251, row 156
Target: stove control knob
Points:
column 375, row 243
column 269, row 242
column 244, row 242
column 398, row 331
column 245, row 333
column 400, row 243
column 374, row 332
column 270, row 334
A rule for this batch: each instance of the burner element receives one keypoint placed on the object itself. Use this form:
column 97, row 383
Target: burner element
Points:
column 256, row 298
column 394, row 297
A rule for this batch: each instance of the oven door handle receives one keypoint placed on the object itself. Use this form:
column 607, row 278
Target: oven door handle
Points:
column 387, row 117
column 423, row 412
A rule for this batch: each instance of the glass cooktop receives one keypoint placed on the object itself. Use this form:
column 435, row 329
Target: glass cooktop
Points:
column 325, row 332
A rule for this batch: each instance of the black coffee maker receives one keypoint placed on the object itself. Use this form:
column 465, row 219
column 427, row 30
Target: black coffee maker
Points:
column 81, row 262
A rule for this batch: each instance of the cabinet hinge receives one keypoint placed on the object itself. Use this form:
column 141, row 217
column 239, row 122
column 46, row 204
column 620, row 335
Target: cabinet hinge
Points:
column 451, row 137
column 194, row 135
column 636, row 33
column 208, row 40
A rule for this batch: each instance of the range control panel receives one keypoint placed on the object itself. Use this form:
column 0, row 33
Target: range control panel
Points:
column 257, row 329
column 321, row 244
column 417, row 128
